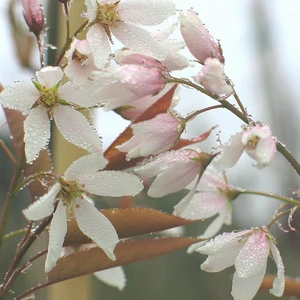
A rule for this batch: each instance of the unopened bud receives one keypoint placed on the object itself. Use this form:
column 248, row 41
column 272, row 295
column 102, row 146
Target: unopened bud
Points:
column 197, row 38
column 34, row 16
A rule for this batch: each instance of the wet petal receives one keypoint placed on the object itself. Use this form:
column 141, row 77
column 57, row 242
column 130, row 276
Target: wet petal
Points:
column 49, row 76
column 112, row 183
column 145, row 12
column 96, row 226
column 253, row 255
column 20, row 96
column 58, row 230
column 140, row 40
column 230, row 152
column 86, row 165
column 99, row 43
column 279, row 282
column 215, row 245
column 114, row 277
column 37, row 132
column 246, row 288
column 76, row 129
column 44, row 206
column 91, row 9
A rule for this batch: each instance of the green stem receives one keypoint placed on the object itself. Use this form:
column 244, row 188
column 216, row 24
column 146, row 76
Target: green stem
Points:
column 284, row 199
column 68, row 43
column 14, row 233
column 198, row 112
column 278, row 216
column 280, row 147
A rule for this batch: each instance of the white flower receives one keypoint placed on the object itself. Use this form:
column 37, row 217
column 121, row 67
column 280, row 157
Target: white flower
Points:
column 210, row 197
column 118, row 17
column 258, row 143
column 153, row 136
column 174, row 170
column 46, row 100
column 71, row 191
column 248, row 251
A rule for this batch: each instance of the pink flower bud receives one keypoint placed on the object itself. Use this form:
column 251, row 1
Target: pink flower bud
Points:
column 212, row 77
column 197, row 38
column 153, row 136
column 142, row 81
column 34, row 15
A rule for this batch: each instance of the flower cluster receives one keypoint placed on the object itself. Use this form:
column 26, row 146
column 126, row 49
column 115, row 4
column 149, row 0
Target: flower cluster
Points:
column 138, row 83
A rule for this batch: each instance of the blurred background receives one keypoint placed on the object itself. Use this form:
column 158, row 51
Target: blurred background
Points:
column 261, row 48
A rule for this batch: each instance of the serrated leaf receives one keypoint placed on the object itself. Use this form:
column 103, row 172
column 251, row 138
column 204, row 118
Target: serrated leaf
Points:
column 129, row 222
column 117, row 160
column 127, row 252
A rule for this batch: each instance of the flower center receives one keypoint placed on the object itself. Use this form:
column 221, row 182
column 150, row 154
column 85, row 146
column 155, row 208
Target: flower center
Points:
column 252, row 143
column 48, row 98
column 70, row 190
column 77, row 55
column 107, row 14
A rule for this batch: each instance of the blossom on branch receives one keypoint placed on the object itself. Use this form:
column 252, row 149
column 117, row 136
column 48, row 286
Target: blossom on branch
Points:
column 212, row 77
column 258, row 143
column 153, row 136
column 120, row 19
column 81, row 179
column 45, row 100
column 197, row 38
column 209, row 197
column 174, row 170
column 248, row 251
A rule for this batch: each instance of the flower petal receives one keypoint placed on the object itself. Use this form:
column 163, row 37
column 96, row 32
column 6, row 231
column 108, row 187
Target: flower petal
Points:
column 37, row 132
column 91, row 9
column 58, row 230
column 114, row 277
column 112, row 183
column 230, row 152
column 253, row 255
column 279, row 282
column 49, row 76
column 145, row 12
column 215, row 245
column 85, row 165
column 44, row 206
column 223, row 258
column 246, row 288
column 96, row 226
column 140, row 40
column 20, row 96
column 99, row 43
column 212, row 229
column 76, row 129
